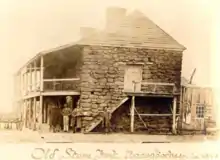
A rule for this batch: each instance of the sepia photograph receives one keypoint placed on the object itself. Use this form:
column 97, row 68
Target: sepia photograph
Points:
column 107, row 72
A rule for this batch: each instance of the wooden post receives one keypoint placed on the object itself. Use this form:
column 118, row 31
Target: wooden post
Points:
column 132, row 113
column 44, row 113
column 174, row 115
column 181, row 107
column 35, row 76
column 26, row 108
column 26, row 81
column 31, row 81
column 34, row 126
column 29, row 116
column 40, row 111
column 41, row 73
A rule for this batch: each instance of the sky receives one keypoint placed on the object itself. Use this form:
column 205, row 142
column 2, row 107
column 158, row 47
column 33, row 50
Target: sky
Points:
column 28, row 27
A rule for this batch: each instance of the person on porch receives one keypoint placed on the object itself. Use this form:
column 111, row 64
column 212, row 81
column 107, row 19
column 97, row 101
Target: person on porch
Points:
column 73, row 120
column 106, row 123
column 66, row 112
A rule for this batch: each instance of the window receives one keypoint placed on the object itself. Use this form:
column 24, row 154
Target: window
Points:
column 200, row 110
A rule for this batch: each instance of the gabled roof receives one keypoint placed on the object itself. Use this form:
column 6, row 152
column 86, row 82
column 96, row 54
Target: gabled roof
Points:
column 136, row 30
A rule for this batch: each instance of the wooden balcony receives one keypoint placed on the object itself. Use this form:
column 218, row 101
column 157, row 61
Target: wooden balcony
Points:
column 152, row 89
column 70, row 84
column 54, row 87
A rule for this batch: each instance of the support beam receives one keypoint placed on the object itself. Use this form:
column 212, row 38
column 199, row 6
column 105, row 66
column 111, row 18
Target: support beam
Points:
column 26, row 82
column 26, row 108
column 174, row 115
column 40, row 117
column 35, row 76
column 132, row 113
column 29, row 114
column 41, row 73
column 44, row 113
column 30, row 77
column 181, row 107
column 34, row 126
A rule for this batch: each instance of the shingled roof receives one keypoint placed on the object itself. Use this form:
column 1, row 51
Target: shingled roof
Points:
column 136, row 30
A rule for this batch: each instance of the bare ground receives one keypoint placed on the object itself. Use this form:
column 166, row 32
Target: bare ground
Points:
column 28, row 136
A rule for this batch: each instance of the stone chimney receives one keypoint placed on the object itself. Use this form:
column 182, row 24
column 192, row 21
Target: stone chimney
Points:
column 87, row 31
column 114, row 17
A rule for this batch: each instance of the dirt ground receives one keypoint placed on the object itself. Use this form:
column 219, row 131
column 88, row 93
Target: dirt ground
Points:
column 28, row 136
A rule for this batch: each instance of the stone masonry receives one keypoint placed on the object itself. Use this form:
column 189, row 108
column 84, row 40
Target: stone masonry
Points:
column 102, row 73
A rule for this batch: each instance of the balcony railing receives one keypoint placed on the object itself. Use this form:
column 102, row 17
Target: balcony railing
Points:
column 158, row 88
column 153, row 88
column 61, row 84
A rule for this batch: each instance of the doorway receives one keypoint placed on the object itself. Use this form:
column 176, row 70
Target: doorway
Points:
column 133, row 78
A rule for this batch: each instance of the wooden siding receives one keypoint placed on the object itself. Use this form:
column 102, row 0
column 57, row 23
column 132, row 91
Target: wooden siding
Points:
column 191, row 98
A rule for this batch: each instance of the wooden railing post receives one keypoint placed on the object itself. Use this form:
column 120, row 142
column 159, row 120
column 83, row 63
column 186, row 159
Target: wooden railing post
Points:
column 31, row 78
column 26, row 81
column 132, row 113
column 35, row 76
column 40, row 115
column 41, row 73
column 34, row 115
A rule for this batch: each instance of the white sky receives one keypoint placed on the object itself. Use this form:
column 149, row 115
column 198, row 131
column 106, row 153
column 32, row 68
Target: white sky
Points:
column 28, row 27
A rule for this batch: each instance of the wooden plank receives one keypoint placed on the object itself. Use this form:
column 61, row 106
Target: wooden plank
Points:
column 174, row 115
column 64, row 79
column 26, row 83
column 140, row 117
column 31, row 78
column 35, row 113
column 35, row 76
column 44, row 113
column 181, row 106
column 160, row 115
column 42, row 73
column 154, row 115
column 33, row 68
column 40, row 118
column 132, row 113
column 159, row 84
column 145, row 94
column 31, row 95
column 60, row 93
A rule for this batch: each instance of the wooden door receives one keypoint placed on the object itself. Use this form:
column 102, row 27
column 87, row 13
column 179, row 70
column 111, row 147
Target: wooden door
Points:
column 133, row 76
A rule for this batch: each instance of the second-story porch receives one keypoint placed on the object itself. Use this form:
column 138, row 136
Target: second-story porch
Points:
column 49, row 74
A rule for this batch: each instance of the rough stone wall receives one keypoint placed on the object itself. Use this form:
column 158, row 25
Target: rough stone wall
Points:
column 102, row 73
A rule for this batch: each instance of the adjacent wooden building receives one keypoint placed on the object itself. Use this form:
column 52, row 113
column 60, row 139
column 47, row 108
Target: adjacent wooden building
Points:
column 198, row 109
column 132, row 67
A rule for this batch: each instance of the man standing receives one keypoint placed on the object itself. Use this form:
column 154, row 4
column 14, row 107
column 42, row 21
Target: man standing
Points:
column 73, row 120
column 66, row 112
column 106, row 119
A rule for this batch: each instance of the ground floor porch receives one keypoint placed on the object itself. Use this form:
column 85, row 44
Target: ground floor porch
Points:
column 146, row 114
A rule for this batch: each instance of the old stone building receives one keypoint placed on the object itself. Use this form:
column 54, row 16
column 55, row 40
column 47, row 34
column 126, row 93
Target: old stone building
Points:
column 131, row 66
